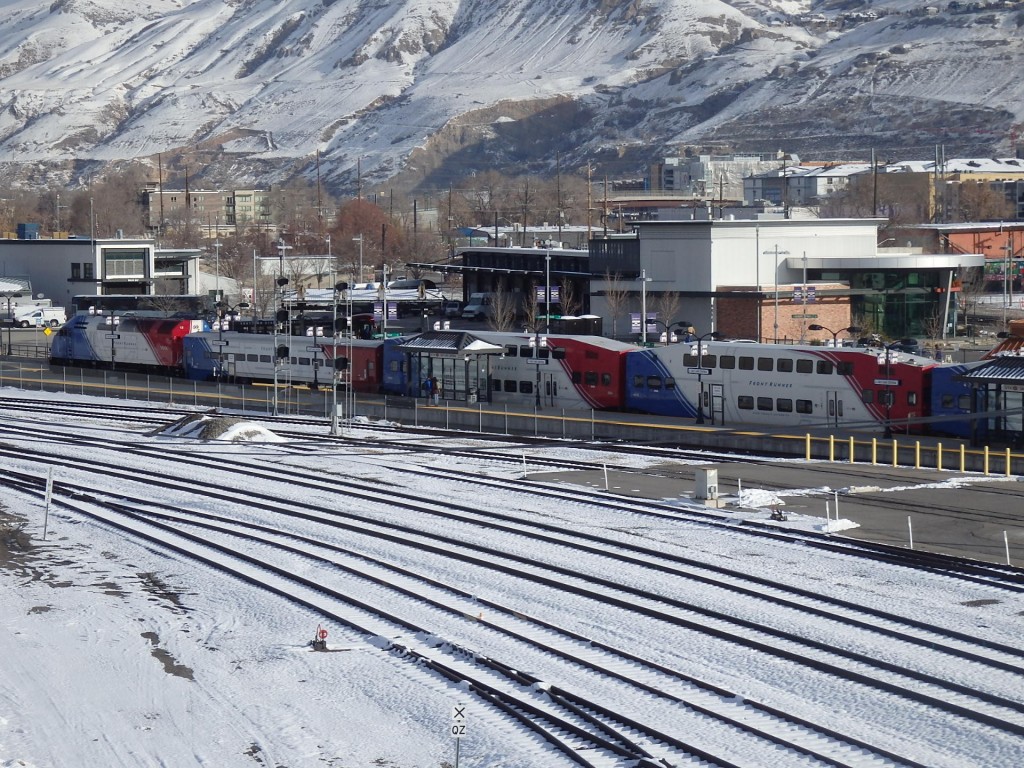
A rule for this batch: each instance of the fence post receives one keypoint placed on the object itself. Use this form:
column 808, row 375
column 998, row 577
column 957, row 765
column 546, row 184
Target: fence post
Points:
column 1007, row 462
column 807, row 446
column 874, row 451
column 831, row 448
column 963, row 458
column 895, row 452
column 938, row 456
column 917, row 454
column 986, row 460
column 853, row 450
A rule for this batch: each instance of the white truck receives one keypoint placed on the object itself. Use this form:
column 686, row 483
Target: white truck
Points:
column 38, row 317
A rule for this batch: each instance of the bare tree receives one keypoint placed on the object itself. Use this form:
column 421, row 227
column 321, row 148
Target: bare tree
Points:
column 504, row 308
column 667, row 305
column 616, row 296
column 571, row 302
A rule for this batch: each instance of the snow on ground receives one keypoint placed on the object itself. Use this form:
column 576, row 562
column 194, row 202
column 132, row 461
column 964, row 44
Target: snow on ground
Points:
column 117, row 654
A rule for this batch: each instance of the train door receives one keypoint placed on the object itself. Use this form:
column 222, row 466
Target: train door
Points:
column 834, row 408
column 715, row 401
column 548, row 389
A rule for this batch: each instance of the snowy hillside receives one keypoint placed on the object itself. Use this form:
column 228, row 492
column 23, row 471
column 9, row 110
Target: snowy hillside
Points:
column 253, row 89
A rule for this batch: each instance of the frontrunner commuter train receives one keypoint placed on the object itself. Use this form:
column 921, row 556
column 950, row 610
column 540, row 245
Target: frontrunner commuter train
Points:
column 722, row 382
column 130, row 343
column 747, row 382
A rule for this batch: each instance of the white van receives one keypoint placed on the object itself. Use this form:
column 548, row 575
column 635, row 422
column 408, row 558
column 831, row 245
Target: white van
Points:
column 39, row 316
column 478, row 307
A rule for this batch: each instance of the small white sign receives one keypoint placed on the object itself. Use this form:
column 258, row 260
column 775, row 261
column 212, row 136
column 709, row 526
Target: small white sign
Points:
column 458, row 728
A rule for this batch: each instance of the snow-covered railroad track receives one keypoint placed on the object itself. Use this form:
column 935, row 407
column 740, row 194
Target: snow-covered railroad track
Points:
column 406, row 603
column 604, row 594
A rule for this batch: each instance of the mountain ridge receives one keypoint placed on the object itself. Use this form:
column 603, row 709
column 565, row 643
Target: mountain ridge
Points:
column 426, row 92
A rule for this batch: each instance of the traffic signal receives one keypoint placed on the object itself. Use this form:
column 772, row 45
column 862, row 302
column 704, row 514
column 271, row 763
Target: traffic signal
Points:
column 282, row 351
column 341, row 363
column 282, row 315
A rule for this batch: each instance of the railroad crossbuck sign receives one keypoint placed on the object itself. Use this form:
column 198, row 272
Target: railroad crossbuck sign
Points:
column 459, row 721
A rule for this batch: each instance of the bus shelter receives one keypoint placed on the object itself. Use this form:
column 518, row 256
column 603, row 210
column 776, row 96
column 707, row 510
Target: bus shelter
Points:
column 458, row 361
column 1001, row 385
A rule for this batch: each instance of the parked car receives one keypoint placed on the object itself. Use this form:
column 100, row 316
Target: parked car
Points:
column 451, row 309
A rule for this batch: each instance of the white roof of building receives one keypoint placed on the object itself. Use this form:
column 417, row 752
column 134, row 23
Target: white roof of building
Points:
column 959, row 165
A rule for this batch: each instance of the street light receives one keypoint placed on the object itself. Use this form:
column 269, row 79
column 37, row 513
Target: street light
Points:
column 644, row 280
column 10, row 318
column 777, row 253
column 835, row 343
column 282, row 350
column 701, row 370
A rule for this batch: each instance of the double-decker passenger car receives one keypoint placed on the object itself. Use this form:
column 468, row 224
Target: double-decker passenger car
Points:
column 570, row 372
column 746, row 382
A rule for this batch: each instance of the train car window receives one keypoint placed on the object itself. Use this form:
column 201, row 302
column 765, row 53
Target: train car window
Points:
column 844, row 368
column 670, row 383
column 868, row 396
column 826, row 367
column 590, row 354
column 576, row 378
column 709, row 361
column 264, row 358
column 606, row 379
column 654, row 382
column 805, row 366
column 251, row 358
column 784, row 365
column 638, row 382
column 371, row 366
column 395, row 366
column 526, row 387
column 804, row 406
column 305, row 361
column 511, row 385
column 690, row 361
column 746, row 363
column 765, row 404
column 885, row 397
column 964, row 402
column 590, row 378
column 725, row 361
column 784, row 404
column 911, row 398
column 558, row 354
column 765, row 363
column 947, row 401
column 511, row 351
column 526, row 351
column 745, row 403
column 495, row 385
column 543, row 353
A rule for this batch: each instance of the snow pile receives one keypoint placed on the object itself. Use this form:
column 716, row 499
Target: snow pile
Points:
column 201, row 426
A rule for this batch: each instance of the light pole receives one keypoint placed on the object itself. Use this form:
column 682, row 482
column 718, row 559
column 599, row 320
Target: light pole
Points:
column 10, row 318
column 889, row 383
column 115, row 322
column 700, row 372
column 281, row 283
column 537, row 343
column 777, row 253
column 216, row 247
column 547, row 287
column 835, row 343
column 643, row 306
column 359, row 240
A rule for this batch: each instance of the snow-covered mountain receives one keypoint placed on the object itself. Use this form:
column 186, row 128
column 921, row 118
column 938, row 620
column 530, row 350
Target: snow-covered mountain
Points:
column 425, row 90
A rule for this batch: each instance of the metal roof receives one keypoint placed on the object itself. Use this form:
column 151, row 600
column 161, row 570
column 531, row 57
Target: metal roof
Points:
column 450, row 343
column 1008, row 369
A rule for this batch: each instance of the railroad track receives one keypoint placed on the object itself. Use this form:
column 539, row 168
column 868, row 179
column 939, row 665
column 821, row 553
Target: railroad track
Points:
column 991, row 708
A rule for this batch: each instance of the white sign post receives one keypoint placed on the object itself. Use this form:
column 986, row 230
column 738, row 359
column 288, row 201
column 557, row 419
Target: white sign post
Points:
column 458, row 728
